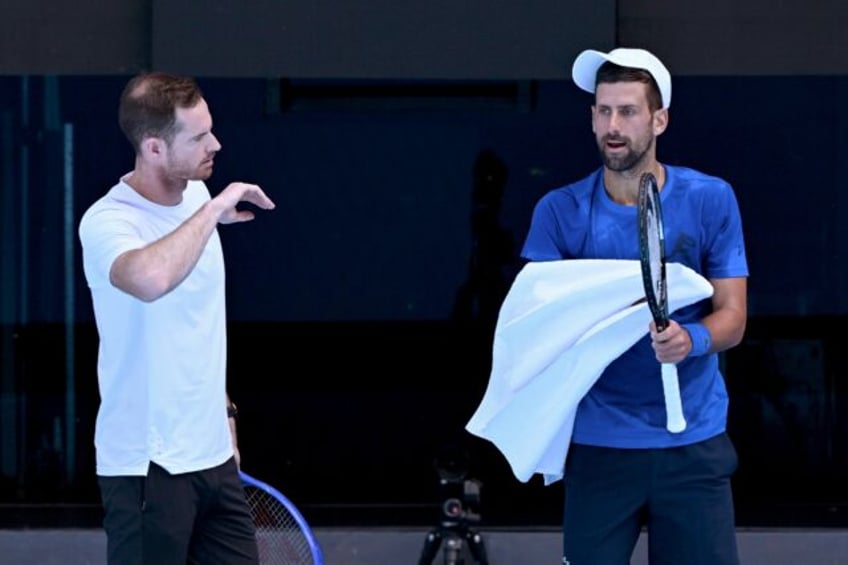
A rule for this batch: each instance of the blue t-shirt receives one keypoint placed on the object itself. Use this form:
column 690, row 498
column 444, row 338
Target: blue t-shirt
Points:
column 703, row 230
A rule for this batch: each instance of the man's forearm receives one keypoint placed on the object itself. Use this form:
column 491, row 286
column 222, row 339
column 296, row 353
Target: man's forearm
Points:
column 154, row 270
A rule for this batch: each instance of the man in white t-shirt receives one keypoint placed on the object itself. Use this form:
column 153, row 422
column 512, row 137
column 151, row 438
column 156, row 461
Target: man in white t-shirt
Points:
column 167, row 461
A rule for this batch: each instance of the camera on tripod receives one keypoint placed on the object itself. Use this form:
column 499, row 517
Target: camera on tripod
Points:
column 460, row 500
column 460, row 508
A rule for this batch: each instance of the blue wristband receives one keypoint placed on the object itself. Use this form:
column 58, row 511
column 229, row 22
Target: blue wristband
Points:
column 701, row 339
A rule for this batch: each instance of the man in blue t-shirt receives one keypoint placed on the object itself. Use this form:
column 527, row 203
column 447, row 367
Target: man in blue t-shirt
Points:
column 624, row 469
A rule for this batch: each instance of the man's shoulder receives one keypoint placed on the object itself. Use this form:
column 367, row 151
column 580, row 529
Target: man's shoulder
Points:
column 694, row 176
column 113, row 199
column 575, row 191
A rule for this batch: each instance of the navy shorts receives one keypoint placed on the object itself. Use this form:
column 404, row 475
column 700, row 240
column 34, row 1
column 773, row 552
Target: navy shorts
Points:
column 165, row 519
column 682, row 495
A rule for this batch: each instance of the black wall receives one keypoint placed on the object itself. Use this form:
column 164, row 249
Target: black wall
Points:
column 304, row 39
column 534, row 39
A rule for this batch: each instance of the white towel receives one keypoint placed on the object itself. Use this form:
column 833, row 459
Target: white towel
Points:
column 560, row 325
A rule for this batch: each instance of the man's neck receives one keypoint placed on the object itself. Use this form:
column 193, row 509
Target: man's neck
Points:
column 623, row 186
column 156, row 187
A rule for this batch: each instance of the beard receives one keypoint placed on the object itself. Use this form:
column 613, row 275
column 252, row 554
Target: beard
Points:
column 183, row 169
column 622, row 161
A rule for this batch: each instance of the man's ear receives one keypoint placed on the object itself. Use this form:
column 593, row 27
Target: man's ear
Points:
column 660, row 121
column 592, row 118
column 153, row 148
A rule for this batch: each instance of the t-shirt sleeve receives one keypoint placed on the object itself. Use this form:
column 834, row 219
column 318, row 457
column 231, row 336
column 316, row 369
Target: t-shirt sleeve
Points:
column 105, row 234
column 558, row 227
column 726, row 257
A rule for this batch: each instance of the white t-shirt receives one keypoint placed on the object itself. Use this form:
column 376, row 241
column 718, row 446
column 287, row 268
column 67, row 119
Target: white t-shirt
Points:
column 161, row 365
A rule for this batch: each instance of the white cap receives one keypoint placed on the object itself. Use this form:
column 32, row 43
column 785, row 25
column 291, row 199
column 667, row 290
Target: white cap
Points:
column 587, row 63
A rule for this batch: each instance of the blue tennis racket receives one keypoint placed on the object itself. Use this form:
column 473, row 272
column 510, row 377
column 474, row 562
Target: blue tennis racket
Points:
column 282, row 533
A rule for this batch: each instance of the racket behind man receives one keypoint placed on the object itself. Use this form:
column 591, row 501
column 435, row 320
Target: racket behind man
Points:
column 282, row 534
column 652, row 259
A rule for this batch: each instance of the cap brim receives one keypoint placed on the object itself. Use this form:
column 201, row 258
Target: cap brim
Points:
column 585, row 69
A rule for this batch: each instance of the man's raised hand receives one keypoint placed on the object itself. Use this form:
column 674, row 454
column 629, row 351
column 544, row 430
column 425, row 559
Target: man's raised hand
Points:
column 238, row 192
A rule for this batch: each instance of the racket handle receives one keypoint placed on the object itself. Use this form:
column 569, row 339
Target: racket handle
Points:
column 675, row 422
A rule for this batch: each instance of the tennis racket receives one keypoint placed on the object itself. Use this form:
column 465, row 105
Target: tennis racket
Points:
column 652, row 259
column 282, row 534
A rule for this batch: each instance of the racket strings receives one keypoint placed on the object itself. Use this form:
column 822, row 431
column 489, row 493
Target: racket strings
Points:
column 652, row 250
column 278, row 534
column 655, row 252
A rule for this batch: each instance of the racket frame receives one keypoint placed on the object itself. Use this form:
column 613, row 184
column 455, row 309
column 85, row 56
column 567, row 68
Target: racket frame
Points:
column 658, row 304
column 657, row 296
column 314, row 546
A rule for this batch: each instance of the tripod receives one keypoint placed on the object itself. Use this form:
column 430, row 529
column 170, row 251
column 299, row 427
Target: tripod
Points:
column 460, row 500
column 454, row 536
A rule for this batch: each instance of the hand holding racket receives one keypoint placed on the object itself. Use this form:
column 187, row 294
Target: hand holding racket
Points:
column 652, row 259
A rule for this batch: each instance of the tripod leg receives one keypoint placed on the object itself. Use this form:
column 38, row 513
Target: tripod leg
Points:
column 477, row 547
column 431, row 547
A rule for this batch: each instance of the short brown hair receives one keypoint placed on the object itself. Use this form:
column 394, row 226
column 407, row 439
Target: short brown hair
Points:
column 610, row 72
column 149, row 102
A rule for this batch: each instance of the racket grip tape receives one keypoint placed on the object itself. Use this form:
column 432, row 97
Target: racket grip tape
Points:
column 675, row 422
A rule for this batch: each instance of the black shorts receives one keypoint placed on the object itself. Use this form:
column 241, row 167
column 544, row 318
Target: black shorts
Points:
column 164, row 519
column 682, row 494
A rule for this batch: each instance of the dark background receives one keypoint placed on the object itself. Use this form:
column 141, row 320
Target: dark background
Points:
column 361, row 309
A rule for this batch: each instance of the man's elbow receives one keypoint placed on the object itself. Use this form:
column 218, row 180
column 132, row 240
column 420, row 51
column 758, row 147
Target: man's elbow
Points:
column 149, row 290
column 738, row 333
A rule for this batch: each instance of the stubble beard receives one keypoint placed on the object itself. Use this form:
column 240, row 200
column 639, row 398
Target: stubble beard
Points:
column 624, row 162
column 187, row 172
column 202, row 174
